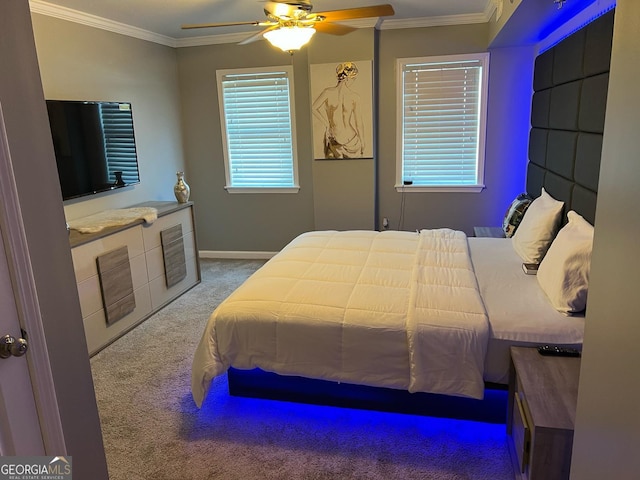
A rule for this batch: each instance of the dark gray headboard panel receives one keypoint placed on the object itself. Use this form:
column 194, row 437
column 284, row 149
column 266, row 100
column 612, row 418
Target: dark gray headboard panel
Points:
column 567, row 117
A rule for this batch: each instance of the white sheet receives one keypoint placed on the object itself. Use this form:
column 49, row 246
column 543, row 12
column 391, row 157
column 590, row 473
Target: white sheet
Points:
column 446, row 322
column 356, row 307
column 518, row 310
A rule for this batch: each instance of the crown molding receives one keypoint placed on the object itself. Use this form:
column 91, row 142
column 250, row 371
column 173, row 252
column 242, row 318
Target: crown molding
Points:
column 64, row 13
column 467, row 19
column 68, row 14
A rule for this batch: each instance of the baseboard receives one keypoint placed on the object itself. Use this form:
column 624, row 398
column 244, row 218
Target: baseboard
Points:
column 239, row 255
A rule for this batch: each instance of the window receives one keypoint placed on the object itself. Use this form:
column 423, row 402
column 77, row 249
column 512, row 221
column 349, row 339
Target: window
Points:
column 119, row 141
column 256, row 109
column 441, row 122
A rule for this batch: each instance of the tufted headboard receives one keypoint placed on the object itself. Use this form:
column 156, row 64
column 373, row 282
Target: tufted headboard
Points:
column 567, row 117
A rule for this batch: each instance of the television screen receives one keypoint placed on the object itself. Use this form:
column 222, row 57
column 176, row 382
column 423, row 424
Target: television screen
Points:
column 95, row 146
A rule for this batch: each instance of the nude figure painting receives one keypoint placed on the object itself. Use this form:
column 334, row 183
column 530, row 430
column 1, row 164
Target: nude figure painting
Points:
column 342, row 113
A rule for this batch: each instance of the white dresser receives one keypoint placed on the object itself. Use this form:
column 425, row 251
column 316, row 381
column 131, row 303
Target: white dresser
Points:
column 163, row 263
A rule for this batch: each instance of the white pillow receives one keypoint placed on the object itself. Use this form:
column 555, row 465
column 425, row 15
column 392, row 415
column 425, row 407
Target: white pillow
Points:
column 537, row 228
column 563, row 275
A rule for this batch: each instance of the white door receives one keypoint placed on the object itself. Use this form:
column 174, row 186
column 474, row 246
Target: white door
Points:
column 25, row 381
column 20, row 428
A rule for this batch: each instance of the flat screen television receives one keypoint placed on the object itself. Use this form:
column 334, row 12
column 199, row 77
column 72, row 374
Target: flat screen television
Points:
column 95, row 146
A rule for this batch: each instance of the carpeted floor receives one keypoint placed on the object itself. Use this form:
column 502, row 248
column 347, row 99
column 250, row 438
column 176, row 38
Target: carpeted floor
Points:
column 153, row 431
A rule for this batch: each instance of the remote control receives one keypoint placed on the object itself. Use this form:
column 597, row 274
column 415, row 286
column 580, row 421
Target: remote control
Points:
column 556, row 351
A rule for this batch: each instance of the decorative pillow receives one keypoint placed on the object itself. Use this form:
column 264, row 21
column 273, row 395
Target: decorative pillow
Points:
column 537, row 228
column 563, row 274
column 514, row 214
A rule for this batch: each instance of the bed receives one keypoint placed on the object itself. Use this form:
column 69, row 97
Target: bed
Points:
column 430, row 311
column 384, row 310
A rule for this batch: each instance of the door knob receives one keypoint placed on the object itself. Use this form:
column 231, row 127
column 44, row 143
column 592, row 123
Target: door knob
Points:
column 9, row 346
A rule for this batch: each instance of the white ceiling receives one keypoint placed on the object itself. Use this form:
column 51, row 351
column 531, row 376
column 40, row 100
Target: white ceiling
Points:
column 160, row 20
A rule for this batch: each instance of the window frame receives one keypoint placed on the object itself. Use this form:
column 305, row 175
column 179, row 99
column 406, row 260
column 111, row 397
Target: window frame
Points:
column 483, row 58
column 220, row 75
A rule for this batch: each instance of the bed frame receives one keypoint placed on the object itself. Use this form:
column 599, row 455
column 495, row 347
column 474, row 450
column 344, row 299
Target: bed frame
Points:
column 565, row 143
column 257, row 383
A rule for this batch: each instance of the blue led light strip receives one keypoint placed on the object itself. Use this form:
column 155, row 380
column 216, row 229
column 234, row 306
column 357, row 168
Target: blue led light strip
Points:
column 581, row 26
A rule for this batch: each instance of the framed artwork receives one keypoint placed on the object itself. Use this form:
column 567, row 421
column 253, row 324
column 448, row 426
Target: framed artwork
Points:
column 342, row 97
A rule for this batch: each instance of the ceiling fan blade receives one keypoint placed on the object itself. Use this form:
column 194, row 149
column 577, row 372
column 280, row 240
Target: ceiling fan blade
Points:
column 222, row 24
column 354, row 13
column 258, row 36
column 332, row 28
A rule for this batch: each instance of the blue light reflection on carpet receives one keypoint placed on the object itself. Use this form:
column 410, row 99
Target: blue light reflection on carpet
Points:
column 300, row 426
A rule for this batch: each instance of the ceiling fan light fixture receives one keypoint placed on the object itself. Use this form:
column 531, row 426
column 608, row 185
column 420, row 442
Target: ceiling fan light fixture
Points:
column 290, row 38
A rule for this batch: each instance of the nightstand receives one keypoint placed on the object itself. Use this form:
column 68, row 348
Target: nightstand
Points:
column 543, row 393
column 493, row 232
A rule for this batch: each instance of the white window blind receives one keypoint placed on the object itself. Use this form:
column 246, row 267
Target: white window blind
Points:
column 119, row 141
column 256, row 114
column 442, row 121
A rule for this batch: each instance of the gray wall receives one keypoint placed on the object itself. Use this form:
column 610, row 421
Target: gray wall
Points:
column 34, row 167
column 333, row 194
column 510, row 89
column 174, row 97
column 607, row 431
column 239, row 222
column 83, row 63
column 173, row 92
column 342, row 194
column 343, row 190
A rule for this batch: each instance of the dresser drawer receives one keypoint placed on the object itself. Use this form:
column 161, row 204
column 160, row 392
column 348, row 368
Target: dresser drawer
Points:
column 155, row 259
column 84, row 256
column 91, row 295
column 99, row 334
column 161, row 294
column 151, row 233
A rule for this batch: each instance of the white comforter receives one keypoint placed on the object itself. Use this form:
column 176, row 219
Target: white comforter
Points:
column 392, row 309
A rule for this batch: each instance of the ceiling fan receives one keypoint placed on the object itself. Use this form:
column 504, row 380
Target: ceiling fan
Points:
column 291, row 24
